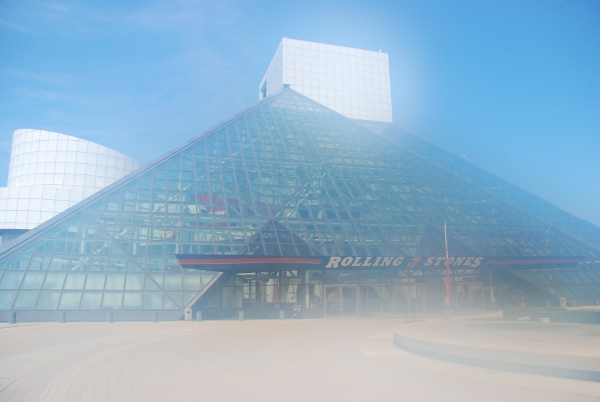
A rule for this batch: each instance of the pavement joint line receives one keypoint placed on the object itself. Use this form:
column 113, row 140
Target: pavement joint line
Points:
column 58, row 388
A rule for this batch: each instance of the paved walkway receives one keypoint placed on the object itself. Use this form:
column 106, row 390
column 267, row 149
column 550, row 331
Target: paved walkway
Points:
column 553, row 349
column 266, row 360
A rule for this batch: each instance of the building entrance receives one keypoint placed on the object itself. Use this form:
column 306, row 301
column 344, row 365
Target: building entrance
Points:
column 375, row 299
column 312, row 294
column 352, row 300
column 419, row 298
column 341, row 300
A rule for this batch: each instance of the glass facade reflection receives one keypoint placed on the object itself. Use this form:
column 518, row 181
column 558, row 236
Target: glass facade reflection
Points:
column 290, row 177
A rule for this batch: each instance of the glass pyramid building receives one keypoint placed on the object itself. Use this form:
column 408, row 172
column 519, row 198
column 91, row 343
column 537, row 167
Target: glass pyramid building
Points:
column 289, row 177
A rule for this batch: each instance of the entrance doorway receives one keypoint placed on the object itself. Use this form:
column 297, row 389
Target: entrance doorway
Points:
column 352, row 300
column 375, row 299
column 341, row 300
column 419, row 298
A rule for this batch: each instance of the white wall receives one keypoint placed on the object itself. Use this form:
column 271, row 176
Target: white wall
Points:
column 44, row 159
column 50, row 172
column 353, row 82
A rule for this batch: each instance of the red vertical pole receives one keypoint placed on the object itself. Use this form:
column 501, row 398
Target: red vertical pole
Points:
column 447, row 267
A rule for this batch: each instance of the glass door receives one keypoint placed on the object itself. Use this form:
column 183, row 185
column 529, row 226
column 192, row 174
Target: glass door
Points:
column 375, row 299
column 341, row 300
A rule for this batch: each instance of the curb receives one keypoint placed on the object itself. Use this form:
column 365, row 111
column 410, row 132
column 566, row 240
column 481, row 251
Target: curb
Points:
column 552, row 365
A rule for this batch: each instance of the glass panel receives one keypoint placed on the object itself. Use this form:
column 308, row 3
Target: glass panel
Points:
column 98, row 263
column 60, row 262
column 91, row 301
column 45, row 246
column 39, row 262
column 75, row 280
column 64, row 246
column 115, row 281
column 188, row 297
column 134, row 282
column 132, row 300
column 33, row 280
column 48, row 300
column 151, row 284
column 95, row 281
column 26, row 300
column 68, row 230
column 69, row 300
column 153, row 300
column 176, row 296
column 11, row 279
column 117, row 264
column 192, row 281
column 19, row 261
column 79, row 263
column 173, row 281
column 170, row 304
column 112, row 300
column 207, row 277
column 54, row 280
column 7, row 297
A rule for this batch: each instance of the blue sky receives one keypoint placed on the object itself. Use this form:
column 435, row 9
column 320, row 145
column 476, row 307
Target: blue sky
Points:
column 512, row 85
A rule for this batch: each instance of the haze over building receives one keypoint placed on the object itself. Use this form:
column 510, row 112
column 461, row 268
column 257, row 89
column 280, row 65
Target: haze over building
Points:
column 308, row 201
column 353, row 82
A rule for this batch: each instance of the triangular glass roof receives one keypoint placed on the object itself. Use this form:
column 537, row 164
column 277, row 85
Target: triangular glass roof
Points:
column 287, row 176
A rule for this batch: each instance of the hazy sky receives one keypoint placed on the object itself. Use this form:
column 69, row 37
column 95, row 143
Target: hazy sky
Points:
column 512, row 85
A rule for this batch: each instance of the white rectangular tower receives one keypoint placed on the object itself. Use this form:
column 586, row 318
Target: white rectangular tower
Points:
column 353, row 82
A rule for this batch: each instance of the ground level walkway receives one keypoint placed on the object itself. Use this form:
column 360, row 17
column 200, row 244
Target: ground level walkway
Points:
column 544, row 348
column 262, row 360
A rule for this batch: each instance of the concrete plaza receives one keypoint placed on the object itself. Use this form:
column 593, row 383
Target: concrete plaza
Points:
column 554, row 349
column 262, row 360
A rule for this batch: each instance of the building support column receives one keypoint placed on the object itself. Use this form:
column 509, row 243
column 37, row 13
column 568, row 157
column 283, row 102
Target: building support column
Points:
column 492, row 295
column 306, row 280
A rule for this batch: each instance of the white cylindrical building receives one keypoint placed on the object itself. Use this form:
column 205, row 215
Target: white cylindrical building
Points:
column 49, row 172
